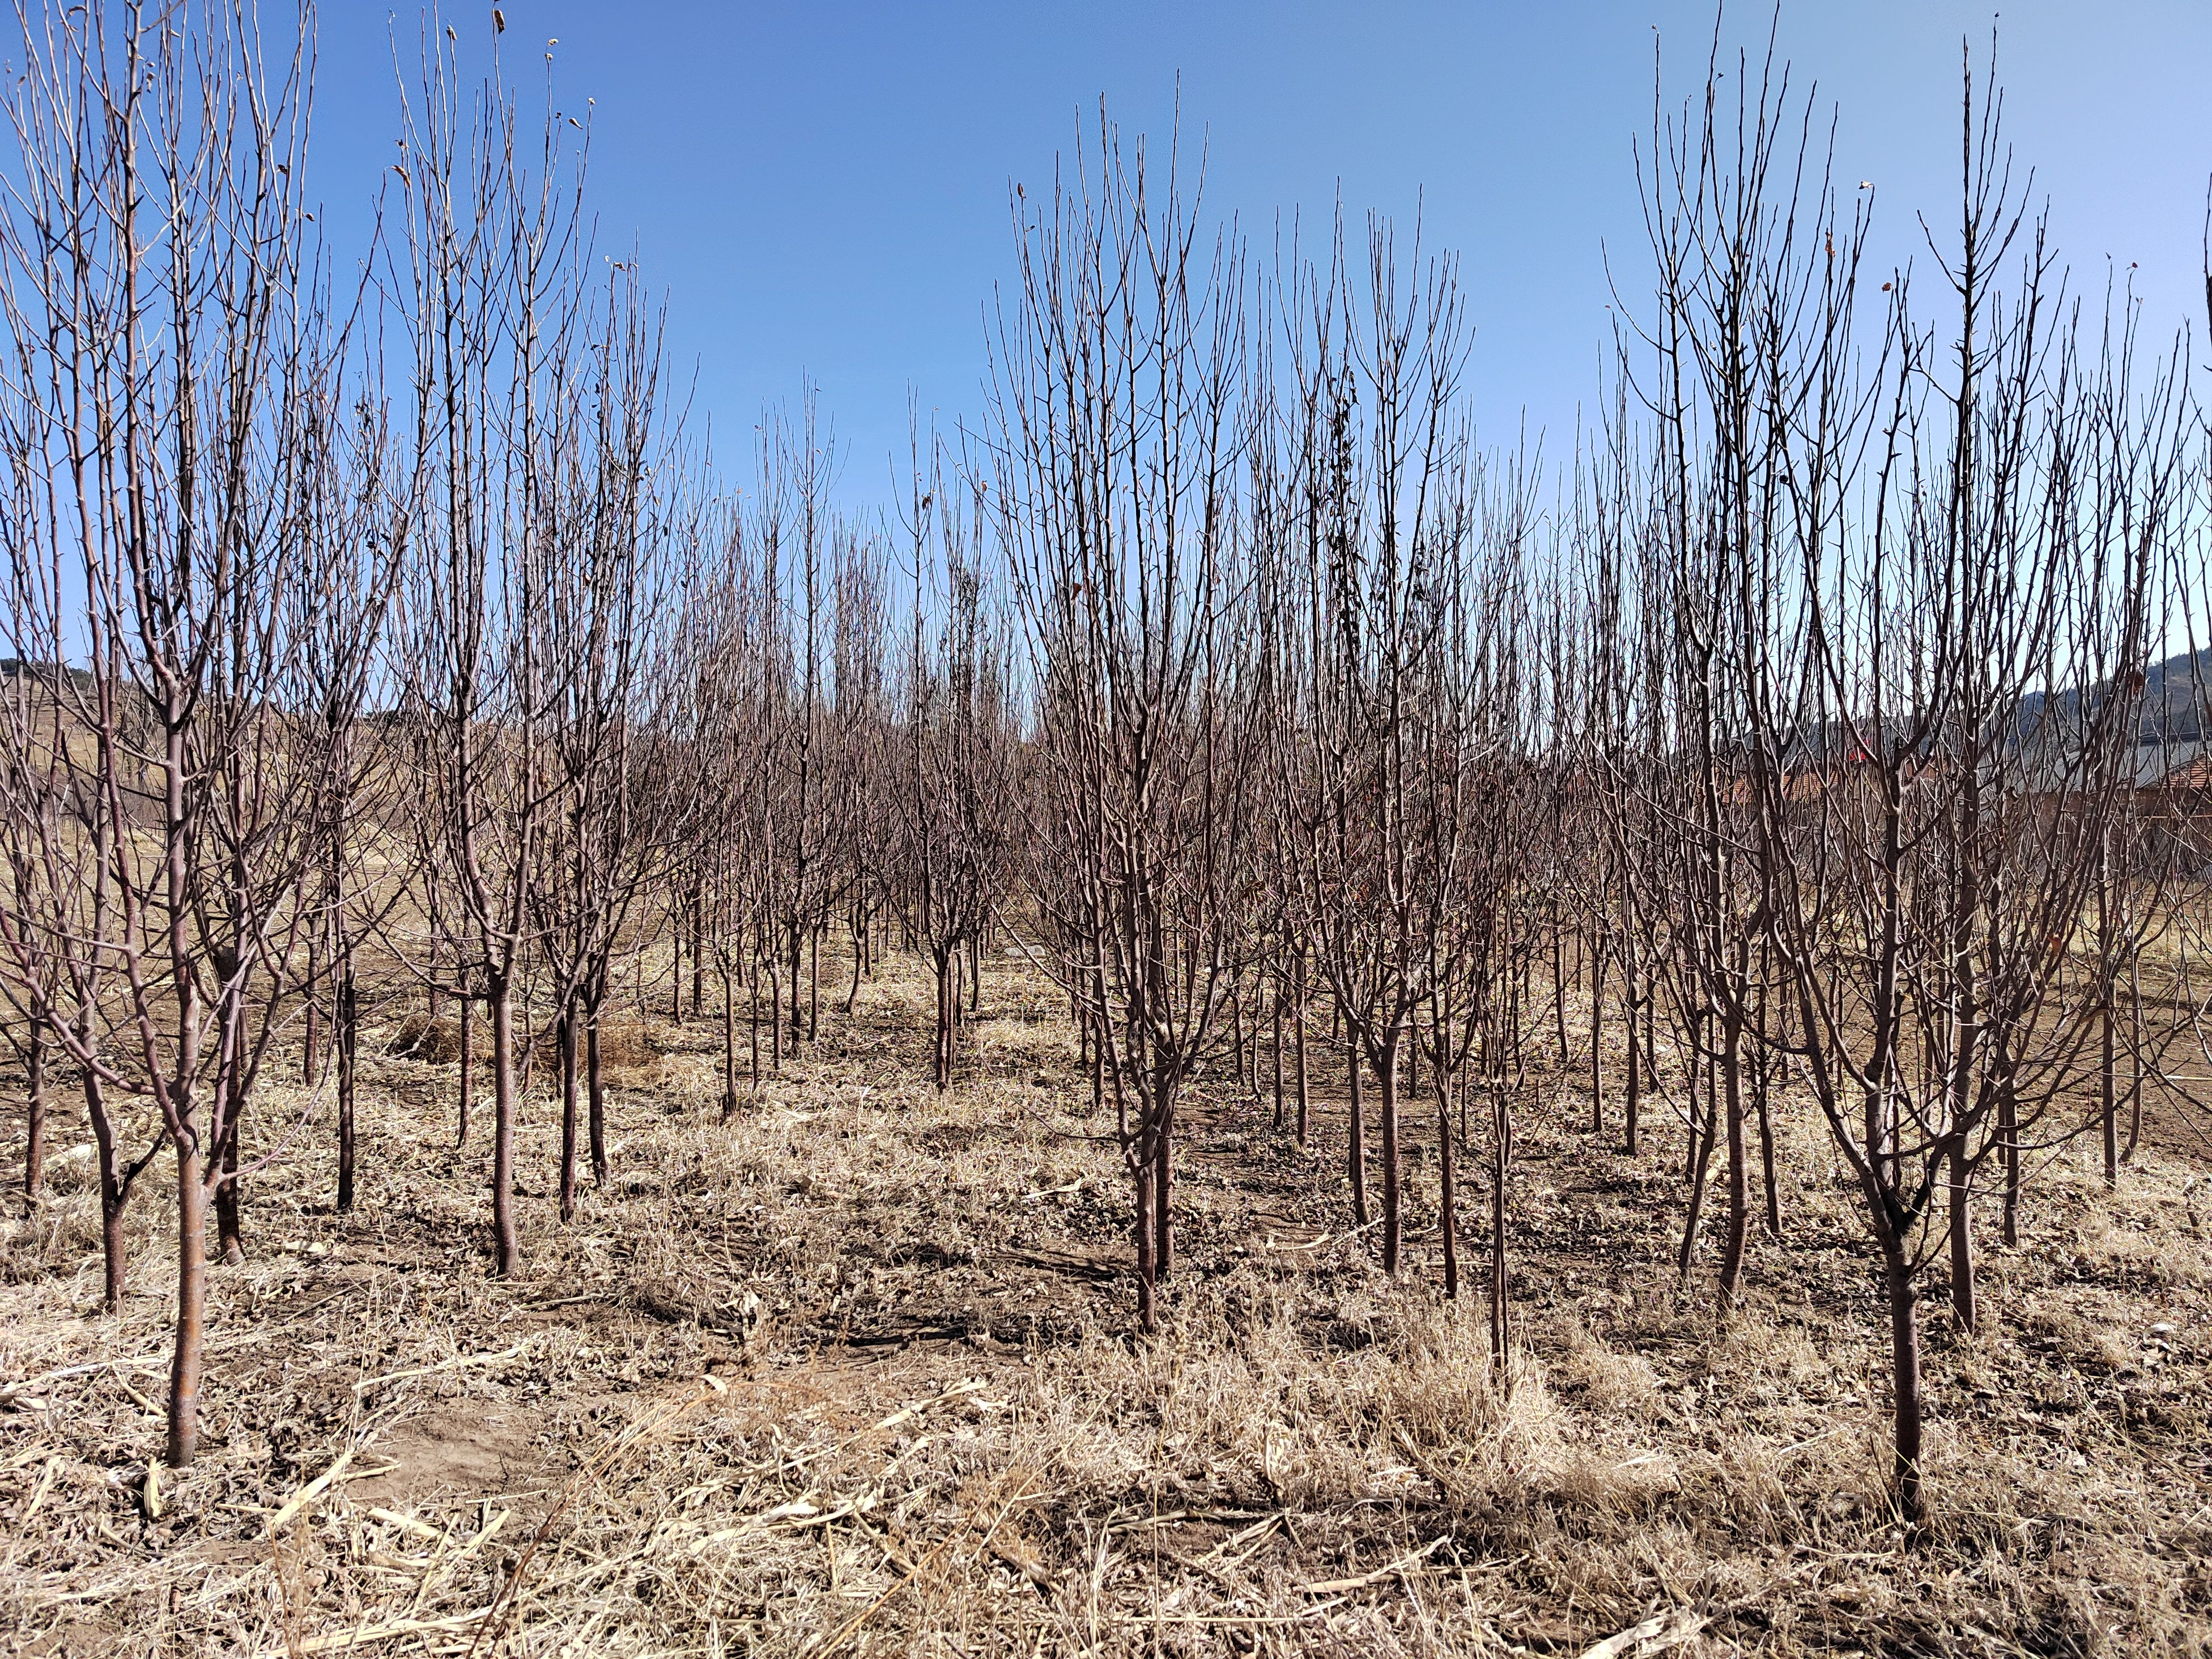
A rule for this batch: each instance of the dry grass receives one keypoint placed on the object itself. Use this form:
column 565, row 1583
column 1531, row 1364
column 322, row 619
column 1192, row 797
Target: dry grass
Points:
column 850, row 1374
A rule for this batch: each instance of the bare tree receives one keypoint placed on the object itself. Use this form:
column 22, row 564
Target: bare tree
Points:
column 1117, row 431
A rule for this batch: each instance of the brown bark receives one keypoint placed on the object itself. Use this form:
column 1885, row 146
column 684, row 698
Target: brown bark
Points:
column 229, row 1200
column 114, row 1190
column 595, row 1082
column 1147, row 1316
column 1739, row 1196
column 35, row 1107
column 1904, row 1368
column 565, row 1034
column 1387, row 1078
column 1275, row 1050
column 1162, row 1191
column 346, row 1040
column 1356, row 1148
column 468, row 1070
column 1448, row 1183
column 192, row 1308
column 1959, row 1219
column 506, row 1247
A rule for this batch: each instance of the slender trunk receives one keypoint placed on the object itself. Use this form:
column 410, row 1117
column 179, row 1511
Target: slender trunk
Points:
column 1560, row 986
column 1634, row 1096
column 754, row 1016
column 729, row 1039
column 1759, row 1093
column 676, row 962
column 1097, row 1075
column 1703, row 1134
column 1597, row 1040
column 813, row 984
column 698, row 952
column 1356, row 1150
column 468, row 1070
column 1739, row 1194
column 311, row 1070
column 595, row 1080
column 1448, row 1183
column 2108, row 1112
column 191, row 1306
column 1501, row 1151
column 1386, row 1077
column 1299, row 1040
column 229, row 1201
column 565, row 1034
column 1275, row 1050
column 2135, row 1055
column 940, row 1055
column 114, row 1246
column 34, row 1132
column 507, row 1249
column 344, row 1038
column 1962, row 1239
column 1163, row 1192
column 1905, row 1366
column 776, row 1013
column 1147, row 1318
column 2008, row 1158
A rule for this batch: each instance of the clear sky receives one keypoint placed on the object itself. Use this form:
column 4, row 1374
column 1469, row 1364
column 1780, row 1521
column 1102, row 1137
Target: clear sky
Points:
column 821, row 187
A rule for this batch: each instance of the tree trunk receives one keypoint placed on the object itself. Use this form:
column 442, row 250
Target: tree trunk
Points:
column 1905, row 1367
column 1759, row 1093
column 114, row 1246
column 229, row 1201
column 1501, row 1151
column 1633, row 1098
column 1276, row 1051
column 1702, row 1133
column 940, row 1033
column 1448, row 1183
column 507, row 1249
column 775, row 1013
column 1560, row 986
column 754, row 1019
column 191, row 1306
column 1962, row 1239
column 1597, row 1040
column 2108, row 1113
column 468, row 1069
column 1356, row 1150
column 1386, row 1076
column 729, row 1041
column 698, row 952
column 2008, row 1159
column 1739, row 1182
column 310, row 1066
column 595, row 1086
column 1163, row 1192
column 34, row 1131
column 345, row 1037
column 1298, row 1039
column 565, row 1034
column 813, row 984
column 1147, row 1317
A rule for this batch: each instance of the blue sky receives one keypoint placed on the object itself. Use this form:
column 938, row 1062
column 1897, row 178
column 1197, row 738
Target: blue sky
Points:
column 822, row 189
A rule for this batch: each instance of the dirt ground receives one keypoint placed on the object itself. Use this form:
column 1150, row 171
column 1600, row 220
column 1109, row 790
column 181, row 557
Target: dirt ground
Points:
column 851, row 1373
